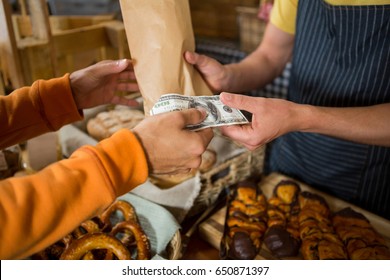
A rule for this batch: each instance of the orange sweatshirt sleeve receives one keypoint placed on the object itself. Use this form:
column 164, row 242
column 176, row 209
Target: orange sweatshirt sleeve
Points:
column 39, row 209
column 30, row 111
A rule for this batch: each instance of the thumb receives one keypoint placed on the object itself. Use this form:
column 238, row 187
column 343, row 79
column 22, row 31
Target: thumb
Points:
column 111, row 66
column 193, row 116
column 239, row 101
column 191, row 57
column 196, row 59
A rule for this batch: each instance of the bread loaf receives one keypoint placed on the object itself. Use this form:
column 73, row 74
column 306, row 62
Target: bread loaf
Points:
column 107, row 123
column 209, row 158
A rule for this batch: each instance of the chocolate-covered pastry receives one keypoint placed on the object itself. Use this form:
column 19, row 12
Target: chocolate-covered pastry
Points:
column 362, row 241
column 280, row 242
column 246, row 222
column 282, row 236
column 319, row 240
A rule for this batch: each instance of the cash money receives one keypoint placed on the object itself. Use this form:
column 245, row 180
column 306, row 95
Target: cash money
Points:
column 218, row 114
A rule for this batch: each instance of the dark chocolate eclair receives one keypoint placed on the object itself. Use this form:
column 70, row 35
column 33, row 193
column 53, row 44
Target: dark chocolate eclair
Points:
column 280, row 242
column 242, row 247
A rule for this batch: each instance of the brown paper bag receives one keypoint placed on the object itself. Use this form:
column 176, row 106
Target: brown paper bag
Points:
column 158, row 34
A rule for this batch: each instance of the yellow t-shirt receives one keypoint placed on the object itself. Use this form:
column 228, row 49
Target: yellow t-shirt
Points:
column 284, row 12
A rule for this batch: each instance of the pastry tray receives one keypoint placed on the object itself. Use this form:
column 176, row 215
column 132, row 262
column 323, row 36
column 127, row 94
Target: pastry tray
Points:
column 211, row 230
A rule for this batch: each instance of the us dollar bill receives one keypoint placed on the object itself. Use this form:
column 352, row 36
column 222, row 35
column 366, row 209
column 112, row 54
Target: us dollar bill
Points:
column 218, row 114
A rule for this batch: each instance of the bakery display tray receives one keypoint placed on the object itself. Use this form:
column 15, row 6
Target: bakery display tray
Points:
column 211, row 229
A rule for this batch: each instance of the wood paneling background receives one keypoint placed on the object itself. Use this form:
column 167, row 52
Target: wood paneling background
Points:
column 217, row 18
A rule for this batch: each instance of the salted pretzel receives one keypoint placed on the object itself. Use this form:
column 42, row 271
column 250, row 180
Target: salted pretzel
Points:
column 89, row 242
column 127, row 210
column 85, row 227
column 141, row 241
column 103, row 237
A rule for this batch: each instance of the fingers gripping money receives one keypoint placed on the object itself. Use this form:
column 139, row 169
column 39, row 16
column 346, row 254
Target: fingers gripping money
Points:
column 218, row 114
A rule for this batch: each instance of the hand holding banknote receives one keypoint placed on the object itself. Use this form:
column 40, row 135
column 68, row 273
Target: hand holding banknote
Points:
column 218, row 114
column 270, row 119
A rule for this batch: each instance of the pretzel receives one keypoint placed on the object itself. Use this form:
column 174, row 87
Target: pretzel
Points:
column 91, row 241
column 141, row 240
column 88, row 226
column 124, row 207
column 98, row 238
column 54, row 251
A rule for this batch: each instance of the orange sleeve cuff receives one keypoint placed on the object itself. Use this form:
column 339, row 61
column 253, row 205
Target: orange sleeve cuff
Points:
column 58, row 103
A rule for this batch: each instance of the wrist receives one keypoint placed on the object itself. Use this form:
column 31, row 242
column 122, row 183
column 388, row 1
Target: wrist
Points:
column 227, row 78
column 305, row 117
column 141, row 142
column 73, row 81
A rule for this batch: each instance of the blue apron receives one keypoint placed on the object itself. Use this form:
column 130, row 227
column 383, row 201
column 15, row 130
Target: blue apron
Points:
column 341, row 59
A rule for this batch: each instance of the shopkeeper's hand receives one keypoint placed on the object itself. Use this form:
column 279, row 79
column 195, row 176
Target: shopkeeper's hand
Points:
column 99, row 83
column 271, row 118
column 213, row 72
column 171, row 148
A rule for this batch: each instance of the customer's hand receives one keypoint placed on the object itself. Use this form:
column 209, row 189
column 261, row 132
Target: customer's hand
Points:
column 99, row 83
column 170, row 147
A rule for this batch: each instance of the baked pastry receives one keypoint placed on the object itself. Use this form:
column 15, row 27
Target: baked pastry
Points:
column 107, row 123
column 319, row 240
column 104, row 237
column 246, row 222
column 209, row 158
column 10, row 161
column 362, row 241
column 282, row 236
column 166, row 181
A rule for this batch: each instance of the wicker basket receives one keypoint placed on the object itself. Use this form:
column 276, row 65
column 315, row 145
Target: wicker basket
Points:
column 226, row 174
column 174, row 247
column 251, row 28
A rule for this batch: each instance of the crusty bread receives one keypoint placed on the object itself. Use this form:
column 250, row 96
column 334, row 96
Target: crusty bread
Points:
column 107, row 123
column 209, row 158
column 166, row 181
